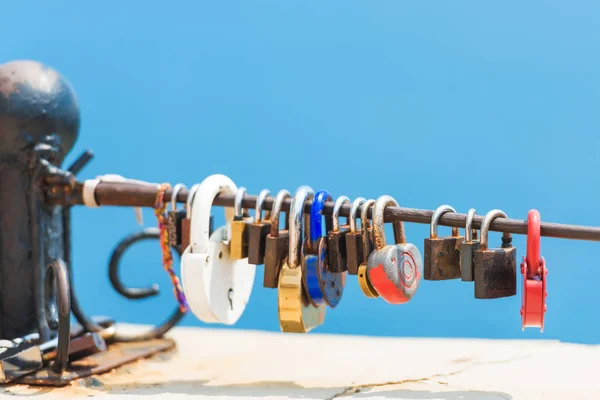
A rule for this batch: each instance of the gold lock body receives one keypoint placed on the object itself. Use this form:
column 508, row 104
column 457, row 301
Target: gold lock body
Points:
column 296, row 314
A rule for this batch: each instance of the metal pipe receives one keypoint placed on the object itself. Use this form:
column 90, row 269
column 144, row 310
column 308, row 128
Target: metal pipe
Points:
column 138, row 195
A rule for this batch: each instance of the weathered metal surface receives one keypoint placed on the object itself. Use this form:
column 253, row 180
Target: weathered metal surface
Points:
column 276, row 250
column 337, row 249
column 467, row 248
column 17, row 359
column 467, row 253
column 257, row 241
column 495, row 273
column 127, row 194
column 442, row 255
column 394, row 270
column 258, row 231
column 365, row 284
column 116, row 355
column 57, row 303
column 38, row 109
column 277, row 242
column 336, row 238
column 442, row 258
column 354, row 252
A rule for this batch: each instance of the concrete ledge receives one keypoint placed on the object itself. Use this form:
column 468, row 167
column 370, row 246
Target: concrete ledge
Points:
column 255, row 365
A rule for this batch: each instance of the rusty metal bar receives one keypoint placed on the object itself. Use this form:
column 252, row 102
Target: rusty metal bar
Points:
column 138, row 195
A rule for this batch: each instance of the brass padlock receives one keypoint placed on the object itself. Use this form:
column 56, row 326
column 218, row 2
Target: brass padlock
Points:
column 187, row 221
column 495, row 271
column 258, row 231
column 238, row 245
column 367, row 245
column 467, row 248
column 442, row 255
column 296, row 313
column 354, row 247
column 278, row 242
column 336, row 238
column 174, row 218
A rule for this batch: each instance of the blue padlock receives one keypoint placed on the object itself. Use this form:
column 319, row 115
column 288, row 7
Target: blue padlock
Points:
column 321, row 284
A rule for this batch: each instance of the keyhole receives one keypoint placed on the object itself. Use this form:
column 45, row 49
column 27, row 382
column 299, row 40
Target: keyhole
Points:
column 229, row 296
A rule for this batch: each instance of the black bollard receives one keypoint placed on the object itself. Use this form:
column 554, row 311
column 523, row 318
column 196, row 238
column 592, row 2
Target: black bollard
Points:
column 39, row 123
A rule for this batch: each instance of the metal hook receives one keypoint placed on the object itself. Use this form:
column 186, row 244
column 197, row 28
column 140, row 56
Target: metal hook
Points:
column 115, row 260
column 137, row 293
column 57, row 303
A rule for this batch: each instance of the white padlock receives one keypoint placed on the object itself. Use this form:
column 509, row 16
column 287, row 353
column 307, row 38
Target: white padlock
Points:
column 217, row 288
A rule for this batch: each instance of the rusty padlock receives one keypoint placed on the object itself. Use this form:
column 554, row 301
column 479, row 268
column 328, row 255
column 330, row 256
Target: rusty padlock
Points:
column 495, row 271
column 367, row 244
column 354, row 247
column 394, row 270
column 442, row 255
column 277, row 243
column 336, row 238
column 258, row 231
column 187, row 221
column 174, row 218
column 238, row 246
column 467, row 248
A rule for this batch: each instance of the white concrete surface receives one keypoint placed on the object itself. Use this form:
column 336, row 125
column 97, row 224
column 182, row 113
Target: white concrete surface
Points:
column 215, row 363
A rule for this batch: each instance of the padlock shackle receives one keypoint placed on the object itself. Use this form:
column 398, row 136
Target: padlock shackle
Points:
column 316, row 215
column 176, row 189
column 301, row 196
column 237, row 202
column 533, row 242
column 378, row 226
column 435, row 218
column 260, row 200
column 206, row 192
column 485, row 227
column 356, row 204
column 365, row 225
column 190, row 200
column 339, row 202
column 281, row 196
column 469, row 225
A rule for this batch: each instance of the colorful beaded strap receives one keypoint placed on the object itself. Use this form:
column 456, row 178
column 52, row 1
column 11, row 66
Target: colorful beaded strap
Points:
column 159, row 211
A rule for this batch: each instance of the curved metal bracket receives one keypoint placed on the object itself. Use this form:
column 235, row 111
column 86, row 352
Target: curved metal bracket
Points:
column 57, row 302
column 137, row 293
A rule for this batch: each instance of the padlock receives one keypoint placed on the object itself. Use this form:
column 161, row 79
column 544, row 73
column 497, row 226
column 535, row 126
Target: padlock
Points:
column 495, row 273
column 174, row 218
column 239, row 228
column 467, row 248
column 336, row 238
column 258, row 231
column 442, row 255
column 363, row 277
column 277, row 243
column 533, row 269
column 310, row 261
column 354, row 247
column 394, row 270
column 366, row 230
column 296, row 313
column 217, row 287
column 320, row 283
column 187, row 221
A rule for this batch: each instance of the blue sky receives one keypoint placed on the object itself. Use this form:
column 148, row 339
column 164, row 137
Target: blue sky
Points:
column 473, row 104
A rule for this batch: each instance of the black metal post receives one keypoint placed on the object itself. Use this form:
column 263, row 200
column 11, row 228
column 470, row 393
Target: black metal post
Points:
column 39, row 123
